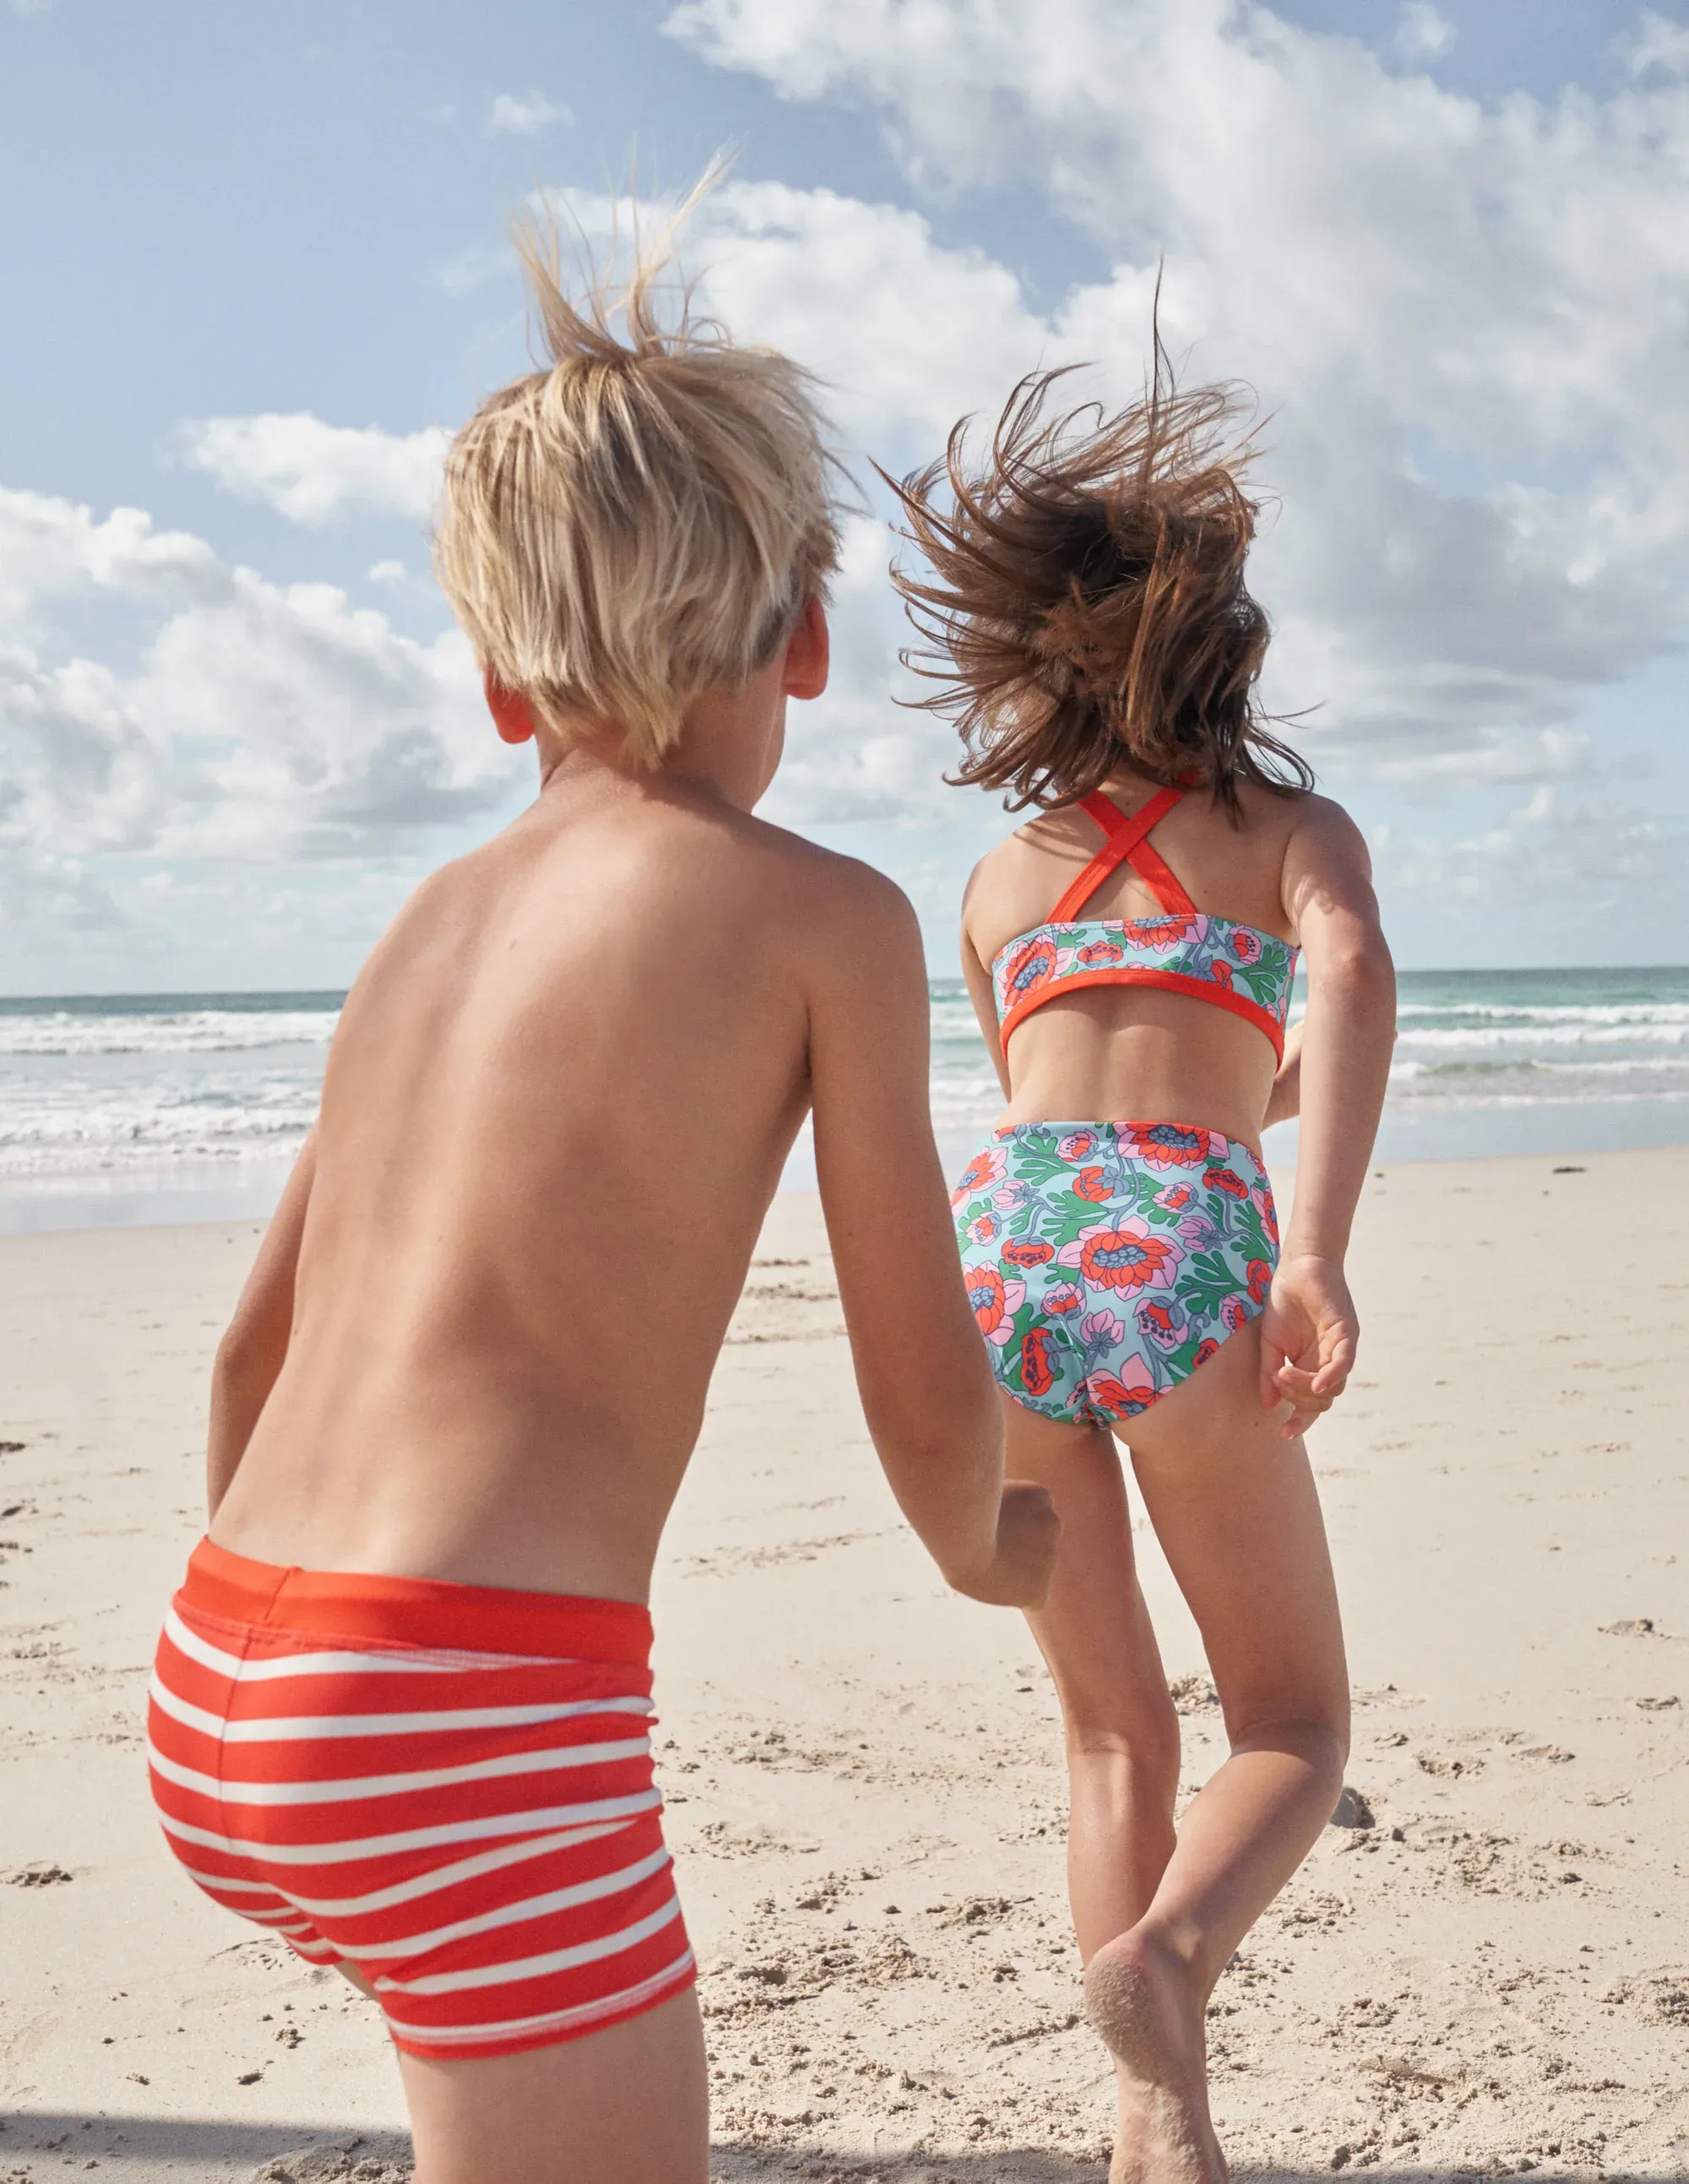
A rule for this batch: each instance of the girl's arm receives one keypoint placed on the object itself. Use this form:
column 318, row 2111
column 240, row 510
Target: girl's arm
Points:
column 1284, row 1101
column 254, row 1344
column 980, row 994
column 1309, row 1329
column 927, row 1388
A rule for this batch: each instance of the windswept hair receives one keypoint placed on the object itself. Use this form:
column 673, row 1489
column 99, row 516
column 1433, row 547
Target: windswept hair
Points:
column 1086, row 606
column 646, row 515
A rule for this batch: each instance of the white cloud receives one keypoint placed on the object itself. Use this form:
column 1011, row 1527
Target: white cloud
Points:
column 317, row 473
column 48, row 547
column 1422, row 33
column 525, row 114
column 903, row 331
column 1660, row 44
column 1465, row 320
column 260, row 719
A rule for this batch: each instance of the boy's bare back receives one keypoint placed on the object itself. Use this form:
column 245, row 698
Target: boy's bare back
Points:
column 557, row 1106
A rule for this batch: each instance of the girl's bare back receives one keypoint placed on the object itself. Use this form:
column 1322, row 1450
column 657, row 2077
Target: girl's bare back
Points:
column 1103, row 1051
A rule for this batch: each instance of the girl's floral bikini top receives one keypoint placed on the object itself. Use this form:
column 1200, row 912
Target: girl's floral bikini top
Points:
column 1184, row 951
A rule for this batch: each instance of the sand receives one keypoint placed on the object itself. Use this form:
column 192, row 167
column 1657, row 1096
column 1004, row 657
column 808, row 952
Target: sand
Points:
column 1485, row 1969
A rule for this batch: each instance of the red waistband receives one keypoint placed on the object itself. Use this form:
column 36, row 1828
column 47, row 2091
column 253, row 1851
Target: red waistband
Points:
column 415, row 1611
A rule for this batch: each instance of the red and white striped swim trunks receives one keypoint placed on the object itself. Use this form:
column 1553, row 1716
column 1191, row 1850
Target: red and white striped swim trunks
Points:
column 447, row 1787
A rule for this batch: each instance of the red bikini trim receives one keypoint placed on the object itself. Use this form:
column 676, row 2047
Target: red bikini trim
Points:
column 1171, row 982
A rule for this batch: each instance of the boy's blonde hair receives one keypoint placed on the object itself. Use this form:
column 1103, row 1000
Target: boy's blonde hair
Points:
column 642, row 519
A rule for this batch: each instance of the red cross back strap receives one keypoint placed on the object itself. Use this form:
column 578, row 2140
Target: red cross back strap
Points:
column 1128, row 843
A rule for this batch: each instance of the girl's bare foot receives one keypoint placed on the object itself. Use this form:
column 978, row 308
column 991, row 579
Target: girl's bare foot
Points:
column 1139, row 1997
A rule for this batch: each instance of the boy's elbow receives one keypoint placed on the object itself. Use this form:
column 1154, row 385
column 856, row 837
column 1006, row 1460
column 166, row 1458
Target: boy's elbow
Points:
column 954, row 1453
column 234, row 1346
column 916, row 1448
column 245, row 1354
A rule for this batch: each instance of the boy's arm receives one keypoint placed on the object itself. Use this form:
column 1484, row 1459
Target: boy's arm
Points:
column 927, row 1389
column 1309, row 1329
column 254, row 1344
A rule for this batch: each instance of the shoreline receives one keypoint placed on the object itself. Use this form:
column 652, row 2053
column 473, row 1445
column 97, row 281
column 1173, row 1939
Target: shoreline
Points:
column 150, row 1109
column 195, row 1195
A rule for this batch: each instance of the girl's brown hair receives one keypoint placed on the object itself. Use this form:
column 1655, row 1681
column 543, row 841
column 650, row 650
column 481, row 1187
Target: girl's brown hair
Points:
column 1086, row 605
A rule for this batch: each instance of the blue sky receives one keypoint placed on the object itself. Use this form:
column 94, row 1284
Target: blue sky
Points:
column 255, row 262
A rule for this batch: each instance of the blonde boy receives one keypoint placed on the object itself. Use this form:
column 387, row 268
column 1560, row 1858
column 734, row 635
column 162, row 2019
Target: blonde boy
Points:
column 402, row 1700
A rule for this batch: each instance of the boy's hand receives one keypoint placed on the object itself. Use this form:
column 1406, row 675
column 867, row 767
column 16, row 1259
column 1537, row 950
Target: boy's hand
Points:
column 1308, row 1334
column 1028, row 1533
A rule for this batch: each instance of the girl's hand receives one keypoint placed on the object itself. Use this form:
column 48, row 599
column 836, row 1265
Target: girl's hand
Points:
column 1308, row 1334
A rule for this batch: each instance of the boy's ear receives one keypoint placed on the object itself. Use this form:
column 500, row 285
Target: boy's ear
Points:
column 808, row 653
column 509, row 709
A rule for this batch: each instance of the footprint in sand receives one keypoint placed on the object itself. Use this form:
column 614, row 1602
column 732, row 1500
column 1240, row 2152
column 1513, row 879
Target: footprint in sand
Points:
column 1440, row 1762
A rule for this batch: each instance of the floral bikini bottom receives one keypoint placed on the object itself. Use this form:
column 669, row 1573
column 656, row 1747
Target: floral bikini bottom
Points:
column 1106, row 1261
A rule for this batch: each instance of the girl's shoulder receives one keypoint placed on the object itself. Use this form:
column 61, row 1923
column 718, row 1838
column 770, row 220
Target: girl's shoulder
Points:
column 1015, row 883
column 1280, row 825
column 1054, row 834
column 1277, row 810
column 1027, row 856
column 1310, row 820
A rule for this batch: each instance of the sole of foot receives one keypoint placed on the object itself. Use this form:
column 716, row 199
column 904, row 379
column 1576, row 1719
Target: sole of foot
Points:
column 1136, row 1998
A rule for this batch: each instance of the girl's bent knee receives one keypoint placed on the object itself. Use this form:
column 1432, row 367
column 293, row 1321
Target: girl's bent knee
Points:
column 1319, row 1742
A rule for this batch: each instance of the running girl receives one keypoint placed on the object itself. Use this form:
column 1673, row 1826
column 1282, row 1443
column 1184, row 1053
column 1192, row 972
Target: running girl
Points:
column 1130, row 952
column 402, row 1709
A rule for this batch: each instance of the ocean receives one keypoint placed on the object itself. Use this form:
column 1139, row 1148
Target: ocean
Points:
column 154, row 1107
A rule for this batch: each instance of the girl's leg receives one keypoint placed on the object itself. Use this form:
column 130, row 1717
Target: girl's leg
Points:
column 1235, row 1508
column 630, row 2102
column 1094, row 1632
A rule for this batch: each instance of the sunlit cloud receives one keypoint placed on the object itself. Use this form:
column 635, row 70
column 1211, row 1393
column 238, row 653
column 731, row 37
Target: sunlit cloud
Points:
column 316, row 473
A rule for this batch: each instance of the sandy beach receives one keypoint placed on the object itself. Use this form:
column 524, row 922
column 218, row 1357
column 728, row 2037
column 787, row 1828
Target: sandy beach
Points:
column 1485, row 1969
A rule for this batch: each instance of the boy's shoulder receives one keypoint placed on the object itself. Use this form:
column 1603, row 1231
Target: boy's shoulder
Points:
column 835, row 884
column 842, row 927
column 764, row 875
